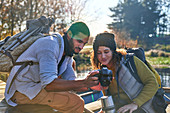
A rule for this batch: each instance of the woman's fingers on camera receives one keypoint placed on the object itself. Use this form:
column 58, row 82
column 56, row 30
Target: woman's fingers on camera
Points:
column 106, row 87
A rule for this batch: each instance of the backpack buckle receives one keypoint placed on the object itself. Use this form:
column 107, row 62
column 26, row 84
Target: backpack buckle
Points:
column 30, row 63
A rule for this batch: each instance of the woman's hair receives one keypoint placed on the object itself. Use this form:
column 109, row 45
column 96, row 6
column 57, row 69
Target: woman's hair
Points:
column 104, row 39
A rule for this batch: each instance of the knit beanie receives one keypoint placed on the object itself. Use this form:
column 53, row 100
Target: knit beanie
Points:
column 78, row 30
column 104, row 39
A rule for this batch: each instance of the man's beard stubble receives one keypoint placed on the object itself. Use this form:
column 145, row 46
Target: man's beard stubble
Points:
column 71, row 46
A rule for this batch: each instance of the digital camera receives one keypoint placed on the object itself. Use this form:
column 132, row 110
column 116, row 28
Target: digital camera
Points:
column 105, row 76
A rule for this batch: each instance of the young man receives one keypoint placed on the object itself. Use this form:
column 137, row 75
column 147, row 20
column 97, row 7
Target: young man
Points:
column 51, row 80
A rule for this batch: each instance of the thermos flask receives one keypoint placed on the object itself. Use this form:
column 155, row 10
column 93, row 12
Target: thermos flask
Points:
column 107, row 104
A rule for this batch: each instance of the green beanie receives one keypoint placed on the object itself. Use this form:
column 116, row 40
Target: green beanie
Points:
column 78, row 30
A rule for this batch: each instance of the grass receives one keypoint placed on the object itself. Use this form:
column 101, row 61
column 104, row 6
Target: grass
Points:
column 159, row 60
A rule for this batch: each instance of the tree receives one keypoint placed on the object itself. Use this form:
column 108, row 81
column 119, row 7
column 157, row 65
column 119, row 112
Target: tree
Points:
column 151, row 16
column 14, row 13
column 139, row 18
column 164, row 25
column 75, row 9
column 4, row 17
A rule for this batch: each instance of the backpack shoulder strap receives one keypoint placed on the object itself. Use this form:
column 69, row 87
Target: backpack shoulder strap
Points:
column 128, row 61
column 58, row 36
column 59, row 39
column 23, row 65
column 131, row 66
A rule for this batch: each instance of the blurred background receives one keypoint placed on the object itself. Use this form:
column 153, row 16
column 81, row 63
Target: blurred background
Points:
column 136, row 23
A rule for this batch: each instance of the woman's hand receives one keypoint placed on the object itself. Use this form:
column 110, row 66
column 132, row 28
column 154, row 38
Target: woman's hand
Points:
column 129, row 107
column 99, row 87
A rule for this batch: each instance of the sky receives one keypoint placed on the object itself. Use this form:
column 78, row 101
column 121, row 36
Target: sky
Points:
column 99, row 10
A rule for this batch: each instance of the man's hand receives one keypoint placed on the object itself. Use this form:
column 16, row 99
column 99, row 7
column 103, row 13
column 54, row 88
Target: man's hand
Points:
column 90, row 80
column 76, row 85
column 129, row 107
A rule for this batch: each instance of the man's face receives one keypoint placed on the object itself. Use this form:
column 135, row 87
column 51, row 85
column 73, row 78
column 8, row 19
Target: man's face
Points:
column 77, row 45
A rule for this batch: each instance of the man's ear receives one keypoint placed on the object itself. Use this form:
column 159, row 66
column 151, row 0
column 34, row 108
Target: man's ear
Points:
column 69, row 33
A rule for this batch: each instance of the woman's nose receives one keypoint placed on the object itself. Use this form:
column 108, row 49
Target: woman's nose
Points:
column 103, row 55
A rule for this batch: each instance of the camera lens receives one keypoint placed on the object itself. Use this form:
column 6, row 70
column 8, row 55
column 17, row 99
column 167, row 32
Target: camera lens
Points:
column 105, row 81
column 105, row 76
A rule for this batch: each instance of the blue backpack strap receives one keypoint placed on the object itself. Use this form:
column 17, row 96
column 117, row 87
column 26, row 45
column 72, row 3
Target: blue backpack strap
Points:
column 131, row 66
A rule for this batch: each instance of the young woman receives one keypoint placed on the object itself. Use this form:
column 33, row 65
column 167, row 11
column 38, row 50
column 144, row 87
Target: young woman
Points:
column 105, row 53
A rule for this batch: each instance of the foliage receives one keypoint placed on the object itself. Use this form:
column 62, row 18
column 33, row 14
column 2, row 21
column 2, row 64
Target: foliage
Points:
column 82, row 62
column 162, row 47
column 14, row 13
column 139, row 18
column 159, row 60
column 4, row 77
column 123, row 40
column 157, row 53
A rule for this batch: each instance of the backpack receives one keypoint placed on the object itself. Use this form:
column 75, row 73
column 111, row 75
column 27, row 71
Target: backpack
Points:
column 139, row 53
column 12, row 47
column 158, row 102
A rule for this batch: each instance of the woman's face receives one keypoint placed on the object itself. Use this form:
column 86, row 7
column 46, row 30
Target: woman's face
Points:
column 104, row 55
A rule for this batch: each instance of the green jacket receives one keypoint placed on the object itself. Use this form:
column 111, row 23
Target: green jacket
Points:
column 148, row 79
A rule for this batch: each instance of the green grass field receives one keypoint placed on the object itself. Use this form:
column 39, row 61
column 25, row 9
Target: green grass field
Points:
column 159, row 60
column 164, row 62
